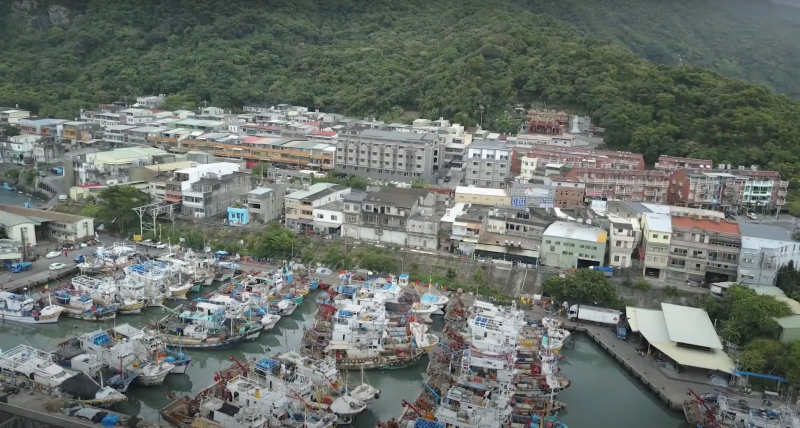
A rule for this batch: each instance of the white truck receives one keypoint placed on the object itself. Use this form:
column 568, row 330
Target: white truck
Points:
column 594, row 314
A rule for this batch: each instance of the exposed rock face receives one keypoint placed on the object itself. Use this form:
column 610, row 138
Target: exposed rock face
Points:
column 44, row 14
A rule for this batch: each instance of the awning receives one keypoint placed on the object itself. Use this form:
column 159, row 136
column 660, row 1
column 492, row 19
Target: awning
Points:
column 325, row 225
column 172, row 199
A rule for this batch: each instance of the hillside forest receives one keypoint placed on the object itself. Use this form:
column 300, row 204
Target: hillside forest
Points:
column 618, row 61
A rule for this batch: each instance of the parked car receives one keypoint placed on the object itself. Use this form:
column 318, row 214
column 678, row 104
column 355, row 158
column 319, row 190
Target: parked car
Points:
column 68, row 246
column 752, row 216
column 53, row 254
column 57, row 266
column 160, row 245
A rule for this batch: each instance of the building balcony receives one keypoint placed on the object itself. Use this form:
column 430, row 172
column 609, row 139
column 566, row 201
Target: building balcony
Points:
column 783, row 184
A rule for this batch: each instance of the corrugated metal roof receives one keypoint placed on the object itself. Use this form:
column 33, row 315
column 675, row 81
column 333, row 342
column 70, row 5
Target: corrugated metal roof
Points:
column 8, row 219
column 561, row 229
column 691, row 326
column 658, row 222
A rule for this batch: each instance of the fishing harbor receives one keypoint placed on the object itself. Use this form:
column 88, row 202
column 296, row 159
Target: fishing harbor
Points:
column 396, row 382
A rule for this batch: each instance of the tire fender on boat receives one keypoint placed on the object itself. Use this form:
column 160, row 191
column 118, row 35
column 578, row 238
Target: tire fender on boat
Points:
column 36, row 318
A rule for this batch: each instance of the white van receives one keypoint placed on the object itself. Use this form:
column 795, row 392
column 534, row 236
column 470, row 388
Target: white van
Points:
column 62, row 198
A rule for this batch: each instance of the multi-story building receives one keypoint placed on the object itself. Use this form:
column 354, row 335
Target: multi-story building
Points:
column 135, row 116
column 573, row 245
column 13, row 116
column 467, row 226
column 765, row 249
column 385, row 214
column 389, row 155
column 102, row 118
column 576, row 157
column 539, row 194
column 266, row 204
column 117, row 133
column 150, row 101
column 46, row 150
column 625, row 185
column 75, row 132
column 624, row 233
column 727, row 190
column 528, row 167
column 655, row 248
column 704, row 250
column 55, row 226
column 352, row 213
column 171, row 190
column 111, row 167
column 673, row 163
column 482, row 195
column 512, row 234
column 41, row 127
column 569, row 193
column 300, row 205
column 488, row 164
column 329, row 218
column 214, row 193
column 20, row 149
column 422, row 231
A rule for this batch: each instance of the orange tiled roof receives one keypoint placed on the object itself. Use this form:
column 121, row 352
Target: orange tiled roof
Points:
column 711, row 225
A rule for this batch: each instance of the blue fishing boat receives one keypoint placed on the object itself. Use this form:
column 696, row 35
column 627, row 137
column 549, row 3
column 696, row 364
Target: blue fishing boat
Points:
column 313, row 284
column 325, row 298
column 8, row 186
column 178, row 359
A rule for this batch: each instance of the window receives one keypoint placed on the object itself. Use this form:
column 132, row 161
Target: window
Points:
column 334, row 218
column 552, row 248
column 655, row 236
column 616, row 258
column 347, row 206
column 619, row 244
column 548, row 241
column 419, row 166
column 320, row 216
column 666, row 236
column 419, row 157
column 399, row 164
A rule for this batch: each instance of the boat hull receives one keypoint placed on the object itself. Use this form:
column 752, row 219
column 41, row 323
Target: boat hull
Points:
column 90, row 316
column 180, row 368
column 377, row 363
column 151, row 380
column 29, row 320
column 182, row 342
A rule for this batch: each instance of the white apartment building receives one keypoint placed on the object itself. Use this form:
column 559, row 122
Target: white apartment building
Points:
column 657, row 232
column 624, row 235
column 528, row 167
column 135, row 116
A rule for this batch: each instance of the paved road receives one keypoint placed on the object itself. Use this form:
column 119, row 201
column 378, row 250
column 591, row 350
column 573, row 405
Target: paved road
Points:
column 58, row 184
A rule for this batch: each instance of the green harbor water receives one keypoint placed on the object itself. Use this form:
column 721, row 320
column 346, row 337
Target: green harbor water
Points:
column 8, row 197
column 602, row 394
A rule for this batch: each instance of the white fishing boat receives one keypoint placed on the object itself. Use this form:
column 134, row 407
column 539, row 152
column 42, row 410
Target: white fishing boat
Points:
column 179, row 291
column 28, row 364
column 247, row 392
column 109, row 291
column 23, row 309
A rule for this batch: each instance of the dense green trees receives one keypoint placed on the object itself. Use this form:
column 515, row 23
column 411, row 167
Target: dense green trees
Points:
column 583, row 286
column 468, row 60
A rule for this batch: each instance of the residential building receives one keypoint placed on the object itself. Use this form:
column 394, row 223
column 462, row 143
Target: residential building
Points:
column 703, row 250
column 389, row 155
column 101, row 118
column 111, row 167
column 573, row 245
column 20, row 149
column 488, row 164
column 299, row 214
column 482, row 195
column 569, row 192
column 673, row 163
column 75, row 132
column 265, row 204
column 214, row 193
column 655, row 248
column 149, row 101
column 577, row 157
column 627, row 209
column 624, row 234
column 73, row 160
column 765, row 249
column 13, row 116
column 539, row 194
column 204, row 125
column 171, row 190
column 385, row 213
column 352, row 213
column 423, row 231
column 329, row 218
column 55, row 226
column 728, row 190
column 528, row 168
column 46, row 150
column 626, row 185
column 19, row 228
column 135, row 116
column 117, row 133
column 467, row 226
column 512, row 234
column 41, row 127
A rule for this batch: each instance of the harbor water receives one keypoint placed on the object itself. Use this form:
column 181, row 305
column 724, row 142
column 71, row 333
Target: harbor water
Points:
column 601, row 391
column 9, row 197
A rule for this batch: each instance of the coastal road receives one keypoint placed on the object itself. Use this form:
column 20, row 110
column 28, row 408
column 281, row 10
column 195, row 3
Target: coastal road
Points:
column 55, row 182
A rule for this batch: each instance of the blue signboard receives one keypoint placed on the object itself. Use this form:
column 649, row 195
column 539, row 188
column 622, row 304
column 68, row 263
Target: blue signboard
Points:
column 518, row 201
column 546, row 203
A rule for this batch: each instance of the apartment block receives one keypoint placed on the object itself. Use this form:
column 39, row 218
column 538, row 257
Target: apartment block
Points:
column 13, row 116
column 389, row 155
column 102, row 118
column 673, row 163
column 135, row 116
column 569, row 192
column 512, row 234
column 655, row 248
column 280, row 152
column 213, row 194
column 575, row 157
column 300, row 205
column 765, row 249
column 623, row 234
column 110, row 167
column 75, row 132
column 727, row 190
column 385, row 215
column 488, row 164
column 46, row 150
column 41, row 127
column 703, row 250
column 625, row 185
column 266, row 204
column 182, row 180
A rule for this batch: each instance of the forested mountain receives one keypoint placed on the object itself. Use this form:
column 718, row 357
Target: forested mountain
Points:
column 383, row 58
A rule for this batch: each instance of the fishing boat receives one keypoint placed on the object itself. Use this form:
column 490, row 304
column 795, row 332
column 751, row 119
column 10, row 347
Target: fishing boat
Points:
column 203, row 331
column 23, row 309
column 325, row 297
column 109, row 291
column 314, row 283
column 91, row 365
column 283, row 308
column 124, row 352
column 324, row 372
column 82, row 306
column 179, row 291
column 267, row 320
column 29, row 366
column 152, row 349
